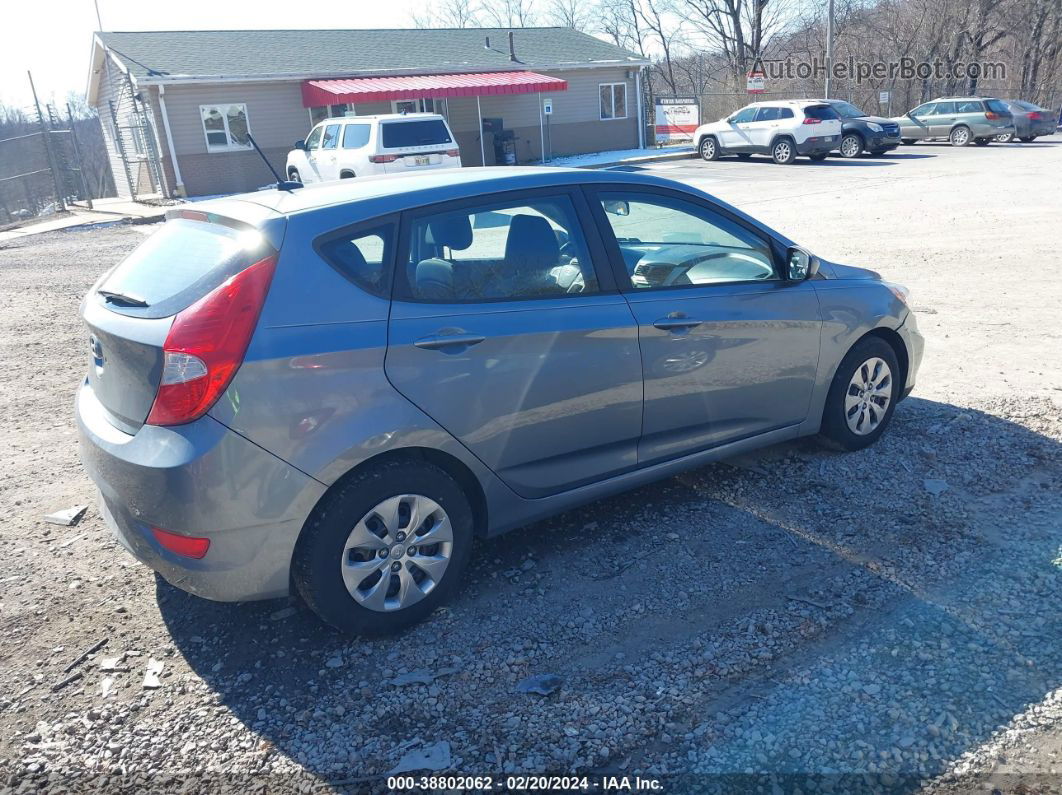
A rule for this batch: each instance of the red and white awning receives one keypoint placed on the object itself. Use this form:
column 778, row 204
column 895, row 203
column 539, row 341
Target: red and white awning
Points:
column 372, row 89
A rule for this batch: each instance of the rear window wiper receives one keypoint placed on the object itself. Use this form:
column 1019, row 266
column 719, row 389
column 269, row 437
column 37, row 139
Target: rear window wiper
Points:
column 123, row 299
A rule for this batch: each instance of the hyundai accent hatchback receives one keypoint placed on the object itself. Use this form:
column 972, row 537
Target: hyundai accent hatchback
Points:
column 334, row 390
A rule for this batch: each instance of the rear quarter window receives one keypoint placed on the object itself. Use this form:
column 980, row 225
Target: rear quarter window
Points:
column 355, row 136
column 421, row 132
column 182, row 262
column 363, row 256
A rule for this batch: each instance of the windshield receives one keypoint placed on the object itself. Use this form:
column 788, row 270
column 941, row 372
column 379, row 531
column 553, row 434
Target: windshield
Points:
column 847, row 110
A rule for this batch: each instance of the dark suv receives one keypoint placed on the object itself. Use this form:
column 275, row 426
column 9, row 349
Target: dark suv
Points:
column 861, row 132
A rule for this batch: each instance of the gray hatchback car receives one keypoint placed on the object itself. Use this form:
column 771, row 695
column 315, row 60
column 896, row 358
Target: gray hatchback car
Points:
column 335, row 389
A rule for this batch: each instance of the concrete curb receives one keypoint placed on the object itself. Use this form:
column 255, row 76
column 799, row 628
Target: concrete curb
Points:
column 636, row 161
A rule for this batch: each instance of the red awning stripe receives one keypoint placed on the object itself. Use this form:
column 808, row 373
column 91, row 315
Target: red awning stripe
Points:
column 372, row 89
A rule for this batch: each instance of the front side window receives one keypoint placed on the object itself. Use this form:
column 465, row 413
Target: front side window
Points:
column 613, row 100
column 923, row 110
column 225, row 127
column 315, row 138
column 744, row 115
column 497, row 252
column 363, row 258
column 669, row 242
column 330, row 139
column 355, row 136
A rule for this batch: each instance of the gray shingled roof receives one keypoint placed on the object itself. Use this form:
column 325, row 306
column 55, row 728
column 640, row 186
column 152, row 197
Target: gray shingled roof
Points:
column 233, row 53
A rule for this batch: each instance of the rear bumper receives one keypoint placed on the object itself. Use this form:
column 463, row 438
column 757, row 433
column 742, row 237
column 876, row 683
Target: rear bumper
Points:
column 818, row 146
column 198, row 479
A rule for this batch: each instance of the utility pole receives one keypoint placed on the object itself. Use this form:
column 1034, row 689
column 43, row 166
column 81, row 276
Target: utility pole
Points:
column 829, row 47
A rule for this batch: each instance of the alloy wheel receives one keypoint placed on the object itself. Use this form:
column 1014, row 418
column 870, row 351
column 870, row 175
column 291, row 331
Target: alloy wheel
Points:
column 708, row 149
column 851, row 146
column 398, row 553
column 960, row 136
column 868, row 396
column 782, row 151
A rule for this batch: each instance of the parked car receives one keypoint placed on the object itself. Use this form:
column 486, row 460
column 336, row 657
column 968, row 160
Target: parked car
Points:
column 358, row 146
column 958, row 119
column 861, row 132
column 337, row 388
column 1030, row 122
column 782, row 129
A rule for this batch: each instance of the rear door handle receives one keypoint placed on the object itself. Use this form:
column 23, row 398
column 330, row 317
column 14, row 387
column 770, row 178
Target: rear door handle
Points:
column 437, row 341
column 676, row 323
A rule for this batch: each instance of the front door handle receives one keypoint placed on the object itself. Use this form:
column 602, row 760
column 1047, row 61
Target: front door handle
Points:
column 676, row 321
column 435, row 342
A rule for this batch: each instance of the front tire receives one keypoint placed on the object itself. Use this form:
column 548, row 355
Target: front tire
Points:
column 908, row 141
column 293, row 175
column 960, row 136
column 862, row 397
column 385, row 549
column 851, row 145
column 982, row 141
column 1027, row 139
column 783, row 152
column 709, row 149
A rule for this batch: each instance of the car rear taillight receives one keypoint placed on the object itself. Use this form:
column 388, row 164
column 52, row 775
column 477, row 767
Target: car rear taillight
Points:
column 206, row 345
column 382, row 158
column 991, row 116
column 1036, row 116
column 453, row 152
column 185, row 546
column 812, row 120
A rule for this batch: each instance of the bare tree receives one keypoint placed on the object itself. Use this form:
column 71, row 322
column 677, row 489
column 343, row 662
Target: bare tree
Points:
column 447, row 14
column 576, row 14
column 508, row 13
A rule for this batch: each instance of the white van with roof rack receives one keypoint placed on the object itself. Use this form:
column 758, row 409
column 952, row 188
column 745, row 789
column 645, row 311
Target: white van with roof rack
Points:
column 358, row 146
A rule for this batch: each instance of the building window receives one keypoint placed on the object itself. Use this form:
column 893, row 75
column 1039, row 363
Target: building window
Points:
column 416, row 106
column 225, row 127
column 613, row 100
column 321, row 112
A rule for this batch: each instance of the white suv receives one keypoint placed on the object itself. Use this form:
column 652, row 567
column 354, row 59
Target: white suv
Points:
column 357, row 146
column 782, row 129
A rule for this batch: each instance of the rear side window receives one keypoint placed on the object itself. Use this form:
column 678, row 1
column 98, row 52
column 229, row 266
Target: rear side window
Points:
column 363, row 257
column 969, row 106
column 181, row 263
column 768, row 114
column 944, row 108
column 785, row 113
column 820, row 112
column 426, row 132
column 355, row 136
column 996, row 106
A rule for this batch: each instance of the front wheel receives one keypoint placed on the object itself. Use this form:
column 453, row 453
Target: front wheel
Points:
column 783, row 152
column 1004, row 138
column 862, row 396
column 908, row 141
column 709, row 149
column 385, row 549
column 293, row 175
column 851, row 146
column 960, row 136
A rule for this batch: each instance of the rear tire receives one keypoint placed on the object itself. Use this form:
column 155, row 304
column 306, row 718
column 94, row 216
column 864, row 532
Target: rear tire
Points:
column 783, row 151
column 1005, row 138
column 960, row 136
column 339, row 552
column 1027, row 139
column 862, row 397
column 709, row 148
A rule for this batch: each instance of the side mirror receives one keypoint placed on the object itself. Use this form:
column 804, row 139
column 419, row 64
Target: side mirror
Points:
column 300, row 144
column 800, row 264
column 616, row 207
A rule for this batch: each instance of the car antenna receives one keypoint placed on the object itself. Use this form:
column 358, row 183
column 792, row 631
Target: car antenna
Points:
column 281, row 184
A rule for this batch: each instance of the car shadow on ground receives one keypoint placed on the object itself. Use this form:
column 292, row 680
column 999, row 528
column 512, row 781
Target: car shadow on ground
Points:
column 911, row 594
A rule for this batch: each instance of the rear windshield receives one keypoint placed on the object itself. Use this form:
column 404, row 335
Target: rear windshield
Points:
column 181, row 263
column 1025, row 105
column 996, row 106
column 426, row 132
column 820, row 112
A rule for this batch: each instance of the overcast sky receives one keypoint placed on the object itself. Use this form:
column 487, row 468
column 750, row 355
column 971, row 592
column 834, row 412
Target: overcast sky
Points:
column 53, row 37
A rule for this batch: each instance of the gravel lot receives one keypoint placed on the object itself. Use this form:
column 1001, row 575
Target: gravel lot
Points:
column 885, row 620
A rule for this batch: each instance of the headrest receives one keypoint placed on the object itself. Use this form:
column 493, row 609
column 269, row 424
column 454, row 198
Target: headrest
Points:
column 453, row 231
column 531, row 243
column 435, row 280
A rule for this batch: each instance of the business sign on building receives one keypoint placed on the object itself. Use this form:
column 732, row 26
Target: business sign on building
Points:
column 755, row 82
column 676, row 118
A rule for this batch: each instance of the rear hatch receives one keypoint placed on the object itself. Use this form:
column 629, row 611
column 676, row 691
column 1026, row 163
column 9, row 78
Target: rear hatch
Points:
column 130, row 310
column 825, row 121
column 407, row 144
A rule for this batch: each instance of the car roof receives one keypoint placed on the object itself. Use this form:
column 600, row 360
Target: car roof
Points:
column 771, row 103
column 379, row 117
